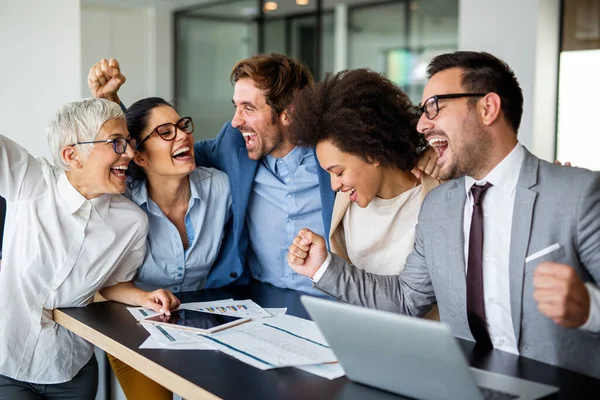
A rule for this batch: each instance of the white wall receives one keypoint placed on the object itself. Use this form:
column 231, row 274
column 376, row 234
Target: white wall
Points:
column 46, row 55
column 526, row 35
column 140, row 38
column 162, row 19
column 40, row 66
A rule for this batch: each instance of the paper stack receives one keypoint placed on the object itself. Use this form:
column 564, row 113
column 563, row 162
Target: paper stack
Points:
column 271, row 340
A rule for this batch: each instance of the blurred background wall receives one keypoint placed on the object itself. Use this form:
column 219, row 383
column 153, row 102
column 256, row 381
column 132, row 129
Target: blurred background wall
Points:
column 183, row 50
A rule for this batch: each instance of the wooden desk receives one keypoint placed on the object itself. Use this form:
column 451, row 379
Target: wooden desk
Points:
column 205, row 374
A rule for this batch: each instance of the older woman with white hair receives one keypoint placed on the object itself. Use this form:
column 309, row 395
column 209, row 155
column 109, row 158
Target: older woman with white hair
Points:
column 68, row 234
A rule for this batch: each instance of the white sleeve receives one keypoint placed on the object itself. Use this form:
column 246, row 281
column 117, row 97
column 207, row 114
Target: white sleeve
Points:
column 20, row 173
column 593, row 322
column 132, row 260
column 322, row 269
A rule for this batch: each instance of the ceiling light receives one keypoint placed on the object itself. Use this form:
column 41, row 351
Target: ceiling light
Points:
column 302, row 2
column 270, row 6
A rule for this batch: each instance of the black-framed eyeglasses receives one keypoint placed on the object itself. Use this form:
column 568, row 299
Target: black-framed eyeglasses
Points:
column 431, row 107
column 168, row 131
column 119, row 144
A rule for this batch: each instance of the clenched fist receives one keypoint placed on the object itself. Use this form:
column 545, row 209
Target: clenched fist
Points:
column 307, row 253
column 105, row 79
column 561, row 295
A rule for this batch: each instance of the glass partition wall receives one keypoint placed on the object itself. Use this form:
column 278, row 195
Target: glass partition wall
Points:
column 395, row 37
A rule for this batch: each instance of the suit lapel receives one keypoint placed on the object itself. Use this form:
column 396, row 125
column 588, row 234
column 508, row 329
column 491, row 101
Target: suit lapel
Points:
column 327, row 197
column 342, row 202
column 454, row 242
column 454, row 221
column 246, row 171
column 520, row 234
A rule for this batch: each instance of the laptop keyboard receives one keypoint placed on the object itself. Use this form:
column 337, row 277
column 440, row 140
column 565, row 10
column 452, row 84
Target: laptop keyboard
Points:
column 491, row 394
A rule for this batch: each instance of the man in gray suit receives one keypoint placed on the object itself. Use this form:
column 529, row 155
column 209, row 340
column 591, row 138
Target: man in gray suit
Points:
column 530, row 287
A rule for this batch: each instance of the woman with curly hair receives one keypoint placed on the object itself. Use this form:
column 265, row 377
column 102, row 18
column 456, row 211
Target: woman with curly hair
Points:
column 364, row 130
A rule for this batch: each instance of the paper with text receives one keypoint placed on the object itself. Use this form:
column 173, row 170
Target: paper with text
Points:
column 162, row 337
column 235, row 308
column 274, row 342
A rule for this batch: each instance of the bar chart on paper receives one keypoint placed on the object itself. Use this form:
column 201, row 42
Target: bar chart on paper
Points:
column 225, row 310
column 236, row 308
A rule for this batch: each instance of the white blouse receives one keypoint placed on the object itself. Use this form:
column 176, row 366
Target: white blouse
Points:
column 58, row 250
column 379, row 237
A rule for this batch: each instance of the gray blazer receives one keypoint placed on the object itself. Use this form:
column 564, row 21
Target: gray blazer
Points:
column 553, row 204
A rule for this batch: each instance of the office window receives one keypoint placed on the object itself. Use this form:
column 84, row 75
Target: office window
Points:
column 579, row 83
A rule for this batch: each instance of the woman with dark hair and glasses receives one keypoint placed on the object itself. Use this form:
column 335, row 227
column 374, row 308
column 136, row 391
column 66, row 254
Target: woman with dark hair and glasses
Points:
column 188, row 212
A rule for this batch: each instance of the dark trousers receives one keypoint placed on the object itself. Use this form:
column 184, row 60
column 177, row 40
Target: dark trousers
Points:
column 82, row 387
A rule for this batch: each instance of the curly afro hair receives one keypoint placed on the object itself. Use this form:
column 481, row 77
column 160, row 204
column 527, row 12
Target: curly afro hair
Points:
column 362, row 113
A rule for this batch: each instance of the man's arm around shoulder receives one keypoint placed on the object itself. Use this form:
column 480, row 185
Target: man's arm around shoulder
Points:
column 213, row 152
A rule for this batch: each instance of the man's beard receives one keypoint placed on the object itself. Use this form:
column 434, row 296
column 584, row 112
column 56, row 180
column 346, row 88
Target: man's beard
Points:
column 472, row 154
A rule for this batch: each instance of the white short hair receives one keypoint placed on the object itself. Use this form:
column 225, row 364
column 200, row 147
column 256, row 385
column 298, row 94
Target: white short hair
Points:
column 79, row 121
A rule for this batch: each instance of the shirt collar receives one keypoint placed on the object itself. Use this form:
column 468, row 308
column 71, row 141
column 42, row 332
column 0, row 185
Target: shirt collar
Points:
column 505, row 175
column 293, row 159
column 195, row 177
column 73, row 200
column 139, row 192
column 102, row 205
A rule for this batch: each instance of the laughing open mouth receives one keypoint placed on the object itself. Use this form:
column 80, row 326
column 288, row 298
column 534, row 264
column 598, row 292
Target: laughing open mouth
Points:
column 352, row 193
column 250, row 138
column 440, row 145
column 182, row 153
column 120, row 171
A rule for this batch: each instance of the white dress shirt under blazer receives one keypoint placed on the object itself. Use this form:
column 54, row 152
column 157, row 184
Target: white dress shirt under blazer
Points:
column 498, row 206
column 59, row 249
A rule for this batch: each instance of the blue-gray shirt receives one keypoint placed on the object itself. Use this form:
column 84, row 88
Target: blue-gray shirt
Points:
column 285, row 198
column 167, row 265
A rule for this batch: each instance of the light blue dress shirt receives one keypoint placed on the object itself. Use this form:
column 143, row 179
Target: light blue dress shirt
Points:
column 285, row 198
column 167, row 264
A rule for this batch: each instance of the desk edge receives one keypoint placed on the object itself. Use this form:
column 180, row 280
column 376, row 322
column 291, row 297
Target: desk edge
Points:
column 152, row 370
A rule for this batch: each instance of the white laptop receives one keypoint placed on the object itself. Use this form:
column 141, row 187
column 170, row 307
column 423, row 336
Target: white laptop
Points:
column 409, row 356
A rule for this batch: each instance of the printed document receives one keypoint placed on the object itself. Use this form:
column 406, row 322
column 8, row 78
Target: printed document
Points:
column 273, row 342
